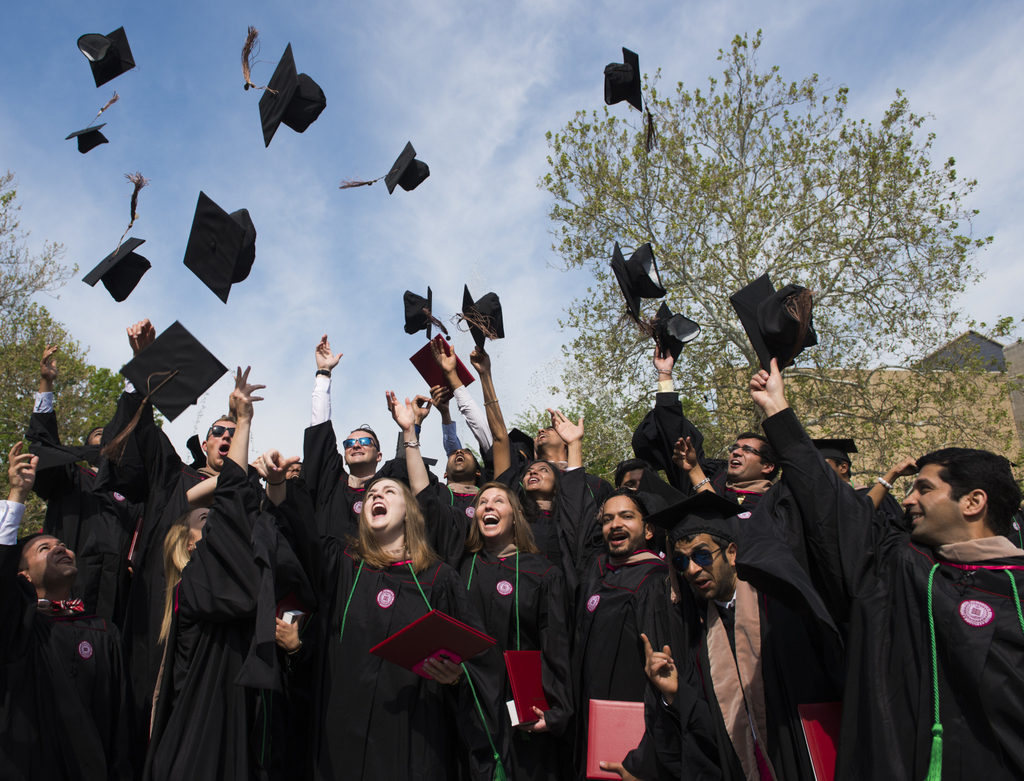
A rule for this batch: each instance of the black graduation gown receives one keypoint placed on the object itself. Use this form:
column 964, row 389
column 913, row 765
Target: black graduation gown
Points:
column 63, row 706
column 543, row 625
column 207, row 723
column 882, row 576
column 96, row 525
column 151, row 472
column 372, row 718
column 616, row 604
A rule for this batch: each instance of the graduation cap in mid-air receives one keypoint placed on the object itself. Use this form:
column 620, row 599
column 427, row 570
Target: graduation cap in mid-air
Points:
column 407, row 173
column 291, row 98
column 672, row 331
column 121, row 270
column 778, row 323
column 483, row 316
column 89, row 138
column 523, row 442
column 638, row 277
column 221, row 247
column 836, row 449
column 419, row 313
column 109, row 55
column 622, row 81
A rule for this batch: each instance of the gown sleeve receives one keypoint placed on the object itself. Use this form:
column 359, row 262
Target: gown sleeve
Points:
column 322, row 464
column 556, row 674
column 656, row 436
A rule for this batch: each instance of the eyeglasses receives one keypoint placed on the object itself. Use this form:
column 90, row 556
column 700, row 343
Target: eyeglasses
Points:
column 219, row 431
column 746, row 449
column 702, row 557
column 364, row 441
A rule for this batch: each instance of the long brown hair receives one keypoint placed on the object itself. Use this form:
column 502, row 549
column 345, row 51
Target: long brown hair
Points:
column 176, row 556
column 522, row 534
column 416, row 545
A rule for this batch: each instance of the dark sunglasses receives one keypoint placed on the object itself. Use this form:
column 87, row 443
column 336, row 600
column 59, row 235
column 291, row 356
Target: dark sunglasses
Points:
column 746, row 449
column 364, row 441
column 219, row 431
column 702, row 557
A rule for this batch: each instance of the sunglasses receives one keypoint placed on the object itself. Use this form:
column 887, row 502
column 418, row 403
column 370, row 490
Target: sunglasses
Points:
column 219, row 431
column 702, row 557
column 364, row 441
column 746, row 449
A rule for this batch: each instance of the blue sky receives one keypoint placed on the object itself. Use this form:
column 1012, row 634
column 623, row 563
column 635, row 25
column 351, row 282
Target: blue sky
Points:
column 474, row 86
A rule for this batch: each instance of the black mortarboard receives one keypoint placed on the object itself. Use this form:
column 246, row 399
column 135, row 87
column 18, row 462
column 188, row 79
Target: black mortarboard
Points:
column 416, row 319
column 174, row 371
column 483, row 316
column 838, row 449
column 657, row 494
column 673, row 331
column 109, row 55
column 90, row 138
column 52, row 455
column 703, row 513
column 221, row 247
column 195, row 447
column 778, row 323
column 638, row 277
column 291, row 97
column 407, row 172
column 622, row 81
column 520, row 440
column 120, row 271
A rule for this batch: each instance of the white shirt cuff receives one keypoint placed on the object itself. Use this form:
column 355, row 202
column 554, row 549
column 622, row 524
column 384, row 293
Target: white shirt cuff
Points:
column 44, row 401
column 11, row 514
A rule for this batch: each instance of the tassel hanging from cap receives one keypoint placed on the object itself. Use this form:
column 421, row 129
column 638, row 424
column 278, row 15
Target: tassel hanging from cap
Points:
column 139, row 181
column 106, row 105
column 436, row 322
column 799, row 306
column 481, row 322
column 651, row 139
column 115, row 448
column 350, row 183
column 249, row 51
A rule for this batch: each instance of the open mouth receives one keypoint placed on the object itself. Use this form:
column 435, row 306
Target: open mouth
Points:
column 491, row 519
column 223, row 449
column 618, row 536
column 65, row 559
column 378, row 509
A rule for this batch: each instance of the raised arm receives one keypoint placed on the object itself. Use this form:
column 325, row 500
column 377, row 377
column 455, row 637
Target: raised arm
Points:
column 440, row 397
column 883, row 485
column 42, row 428
column 326, row 360
column 404, row 414
column 501, row 452
column 17, row 598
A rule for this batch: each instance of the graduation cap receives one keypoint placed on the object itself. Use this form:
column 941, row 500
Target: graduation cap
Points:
column 174, row 371
column 419, row 313
column 291, row 98
column 622, row 81
column 221, row 247
column 520, row 440
column 90, row 138
column 671, row 331
column 109, row 55
column 121, row 270
column 638, row 277
column 407, row 173
column 483, row 316
column 836, row 449
column 703, row 513
column 778, row 323
column 657, row 494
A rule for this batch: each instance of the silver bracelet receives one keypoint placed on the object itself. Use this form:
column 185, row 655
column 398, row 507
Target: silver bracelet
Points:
column 883, row 481
column 414, row 443
column 702, row 483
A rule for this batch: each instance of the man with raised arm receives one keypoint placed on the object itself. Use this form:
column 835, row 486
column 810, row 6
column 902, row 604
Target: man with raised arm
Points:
column 936, row 634
column 62, row 711
column 97, row 524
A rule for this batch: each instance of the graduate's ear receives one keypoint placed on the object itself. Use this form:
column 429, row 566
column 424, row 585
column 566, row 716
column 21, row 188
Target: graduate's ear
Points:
column 730, row 554
column 974, row 505
column 648, row 531
column 24, row 573
column 379, row 455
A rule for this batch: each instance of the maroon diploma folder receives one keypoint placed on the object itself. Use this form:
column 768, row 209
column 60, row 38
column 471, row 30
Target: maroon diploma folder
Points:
column 435, row 635
column 820, row 722
column 524, row 675
column 431, row 372
column 616, row 728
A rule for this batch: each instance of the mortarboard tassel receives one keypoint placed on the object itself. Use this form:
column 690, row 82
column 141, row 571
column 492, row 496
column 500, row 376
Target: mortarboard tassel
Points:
column 349, row 183
column 106, row 105
column 139, row 181
column 250, row 50
column 651, row 139
column 481, row 322
column 114, row 449
column 799, row 306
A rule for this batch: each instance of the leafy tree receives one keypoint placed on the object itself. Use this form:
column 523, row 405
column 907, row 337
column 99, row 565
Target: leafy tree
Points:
column 754, row 174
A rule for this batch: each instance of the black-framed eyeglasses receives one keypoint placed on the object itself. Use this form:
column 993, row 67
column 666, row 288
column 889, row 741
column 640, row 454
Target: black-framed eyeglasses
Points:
column 219, row 431
column 364, row 441
column 746, row 449
column 702, row 557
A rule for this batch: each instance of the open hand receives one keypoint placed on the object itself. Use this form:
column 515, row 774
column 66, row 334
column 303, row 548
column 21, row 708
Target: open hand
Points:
column 325, row 359
column 569, row 432
column 443, row 354
column 241, row 399
column 21, row 472
column 403, row 414
column 684, row 454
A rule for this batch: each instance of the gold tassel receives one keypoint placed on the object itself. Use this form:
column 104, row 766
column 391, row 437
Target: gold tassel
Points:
column 115, row 448
column 139, row 181
column 651, row 140
column 106, row 105
column 476, row 320
column 350, row 183
column 249, row 52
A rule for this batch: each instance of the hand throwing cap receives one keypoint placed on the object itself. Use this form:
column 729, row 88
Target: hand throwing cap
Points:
column 778, row 323
column 109, row 55
column 90, row 138
column 483, row 317
column 622, row 81
column 121, row 270
column 407, row 172
column 291, row 98
column 221, row 247
column 174, row 371
column 638, row 277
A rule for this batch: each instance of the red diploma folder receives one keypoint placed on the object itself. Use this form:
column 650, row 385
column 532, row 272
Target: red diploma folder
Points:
column 821, row 721
column 431, row 372
column 524, row 675
column 435, row 635
column 616, row 728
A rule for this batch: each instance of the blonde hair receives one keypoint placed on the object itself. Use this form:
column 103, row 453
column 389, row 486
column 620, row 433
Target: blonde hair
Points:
column 522, row 534
column 176, row 556
column 416, row 545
